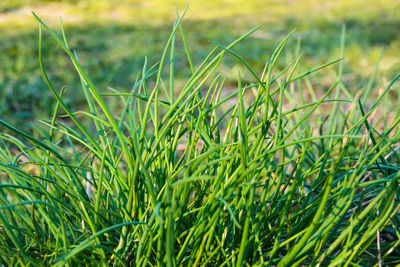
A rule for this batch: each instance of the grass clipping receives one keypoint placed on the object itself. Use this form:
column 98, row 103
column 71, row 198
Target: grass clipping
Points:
column 194, row 176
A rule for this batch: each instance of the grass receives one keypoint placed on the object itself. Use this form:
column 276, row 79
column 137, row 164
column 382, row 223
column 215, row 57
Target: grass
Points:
column 135, row 29
column 192, row 174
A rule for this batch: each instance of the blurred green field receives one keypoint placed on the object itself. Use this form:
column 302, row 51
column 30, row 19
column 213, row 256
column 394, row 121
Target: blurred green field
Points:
column 112, row 39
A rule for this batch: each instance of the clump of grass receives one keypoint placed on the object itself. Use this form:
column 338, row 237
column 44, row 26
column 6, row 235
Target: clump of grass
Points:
column 182, row 177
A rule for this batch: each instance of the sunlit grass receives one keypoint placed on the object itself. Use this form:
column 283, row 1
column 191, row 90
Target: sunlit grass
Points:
column 136, row 29
column 192, row 175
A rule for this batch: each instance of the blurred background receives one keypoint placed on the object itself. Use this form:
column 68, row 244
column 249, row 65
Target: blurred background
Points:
column 113, row 37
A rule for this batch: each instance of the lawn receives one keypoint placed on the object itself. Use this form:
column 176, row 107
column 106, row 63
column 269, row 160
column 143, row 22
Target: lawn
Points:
column 112, row 39
column 131, row 137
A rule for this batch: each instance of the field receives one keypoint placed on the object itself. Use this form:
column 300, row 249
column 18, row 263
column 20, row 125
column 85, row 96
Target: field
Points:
column 139, row 133
column 113, row 45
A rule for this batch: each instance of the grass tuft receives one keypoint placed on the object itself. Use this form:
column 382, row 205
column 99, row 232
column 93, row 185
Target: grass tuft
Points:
column 199, row 175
